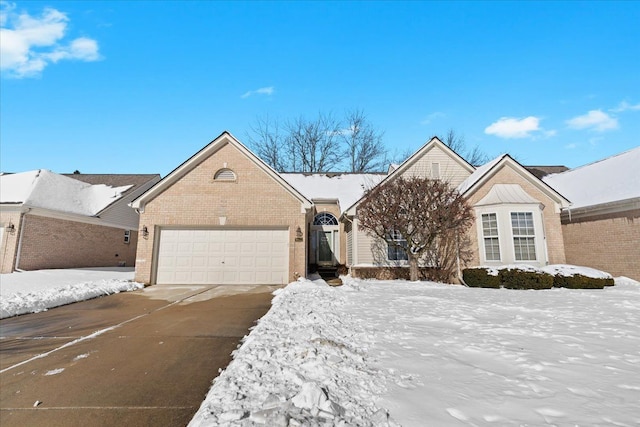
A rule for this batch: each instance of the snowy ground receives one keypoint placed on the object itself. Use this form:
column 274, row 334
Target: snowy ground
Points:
column 376, row 353
column 34, row 291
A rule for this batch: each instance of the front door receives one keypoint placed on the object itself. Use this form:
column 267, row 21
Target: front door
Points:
column 325, row 247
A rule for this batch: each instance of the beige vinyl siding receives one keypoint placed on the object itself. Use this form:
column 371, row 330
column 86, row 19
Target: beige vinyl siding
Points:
column 349, row 232
column 365, row 248
column 120, row 214
column 450, row 169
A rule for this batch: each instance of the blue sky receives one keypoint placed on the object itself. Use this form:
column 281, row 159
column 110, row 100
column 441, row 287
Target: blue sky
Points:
column 138, row 87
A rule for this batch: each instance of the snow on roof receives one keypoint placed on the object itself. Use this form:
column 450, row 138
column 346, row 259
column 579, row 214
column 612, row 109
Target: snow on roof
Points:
column 612, row 179
column 347, row 188
column 478, row 174
column 48, row 190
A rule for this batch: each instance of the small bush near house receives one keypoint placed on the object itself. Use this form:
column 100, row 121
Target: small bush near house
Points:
column 578, row 281
column 342, row 270
column 395, row 273
column 480, row 278
column 519, row 279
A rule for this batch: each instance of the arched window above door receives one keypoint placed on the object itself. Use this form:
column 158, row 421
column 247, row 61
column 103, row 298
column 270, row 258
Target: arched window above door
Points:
column 325, row 218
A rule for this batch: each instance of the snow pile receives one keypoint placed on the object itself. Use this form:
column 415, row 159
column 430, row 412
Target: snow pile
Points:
column 612, row 179
column 571, row 270
column 554, row 269
column 35, row 291
column 305, row 363
column 380, row 353
column 48, row 190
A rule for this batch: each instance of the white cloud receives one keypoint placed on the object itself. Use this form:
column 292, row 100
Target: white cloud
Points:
column 571, row 146
column 596, row 120
column 625, row 106
column 269, row 90
column 30, row 43
column 431, row 117
column 511, row 127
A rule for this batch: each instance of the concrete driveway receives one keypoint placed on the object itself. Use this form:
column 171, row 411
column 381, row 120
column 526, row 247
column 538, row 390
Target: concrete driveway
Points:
column 137, row 359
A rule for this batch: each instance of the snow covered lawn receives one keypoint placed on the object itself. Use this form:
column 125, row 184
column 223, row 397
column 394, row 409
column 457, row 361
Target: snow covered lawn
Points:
column 374, row 353
column 34, row 291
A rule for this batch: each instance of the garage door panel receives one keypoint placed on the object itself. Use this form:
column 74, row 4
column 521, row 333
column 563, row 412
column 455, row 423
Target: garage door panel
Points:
column 223, row 256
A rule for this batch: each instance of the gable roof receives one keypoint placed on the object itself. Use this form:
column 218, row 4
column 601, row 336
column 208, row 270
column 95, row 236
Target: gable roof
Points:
column 48, row 190
column 431, row 144
column 612, row 179
column 397, row 170
column 347, row 188
column 223, row 139
column 486, row 171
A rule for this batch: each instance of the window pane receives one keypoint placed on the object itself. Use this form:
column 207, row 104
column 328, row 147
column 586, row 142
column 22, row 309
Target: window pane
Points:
column 395, row 253
column 492, row 249
column 522, row 223
column 525, row 248
column 490, row 234
column 325, row 218
column 489, row 225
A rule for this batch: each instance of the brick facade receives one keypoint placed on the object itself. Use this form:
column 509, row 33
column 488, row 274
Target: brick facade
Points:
column 609, row 243
column 253, row 200
column 56, row 243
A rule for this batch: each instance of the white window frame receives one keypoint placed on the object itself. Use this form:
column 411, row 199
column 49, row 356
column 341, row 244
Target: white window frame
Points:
column 506, row 235
column 391, row 248
column 495, row 236
column 127, row 236
column 325, row 218
column 528, row 215
column 435, row 170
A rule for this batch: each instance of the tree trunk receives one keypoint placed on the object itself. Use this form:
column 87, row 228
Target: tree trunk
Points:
column 413, row 267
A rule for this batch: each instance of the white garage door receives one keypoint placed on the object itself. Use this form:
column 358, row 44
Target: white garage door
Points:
column 223, row 257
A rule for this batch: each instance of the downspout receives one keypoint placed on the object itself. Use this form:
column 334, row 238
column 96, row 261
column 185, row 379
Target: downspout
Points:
column 353, row 234
column 458, row 261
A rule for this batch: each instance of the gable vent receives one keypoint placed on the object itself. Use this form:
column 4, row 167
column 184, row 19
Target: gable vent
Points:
column 225, row 175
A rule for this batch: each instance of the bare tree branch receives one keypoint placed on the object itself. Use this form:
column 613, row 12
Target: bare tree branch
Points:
column 364, row 147
column 267, row 141
column 429, row 214
column 474, row 156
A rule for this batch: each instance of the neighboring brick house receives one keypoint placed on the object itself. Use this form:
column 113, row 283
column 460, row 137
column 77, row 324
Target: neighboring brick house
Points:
column 48, row 220
column 224, row 216
column 601, row 229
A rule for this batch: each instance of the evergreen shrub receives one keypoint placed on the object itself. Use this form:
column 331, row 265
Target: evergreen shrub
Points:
column 519, row 279
column 578, row 281
column 480, row 278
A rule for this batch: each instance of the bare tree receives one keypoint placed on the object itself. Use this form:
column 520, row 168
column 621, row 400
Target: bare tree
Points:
column 475, row 156
column 363, row 144
column 323, row 144
column 314, row 143
column 267, row 141
column 425, row 218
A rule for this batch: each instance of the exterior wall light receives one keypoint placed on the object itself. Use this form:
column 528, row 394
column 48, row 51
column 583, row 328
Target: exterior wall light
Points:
column 12, row 228
column 298, row 234
column 145, row 231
